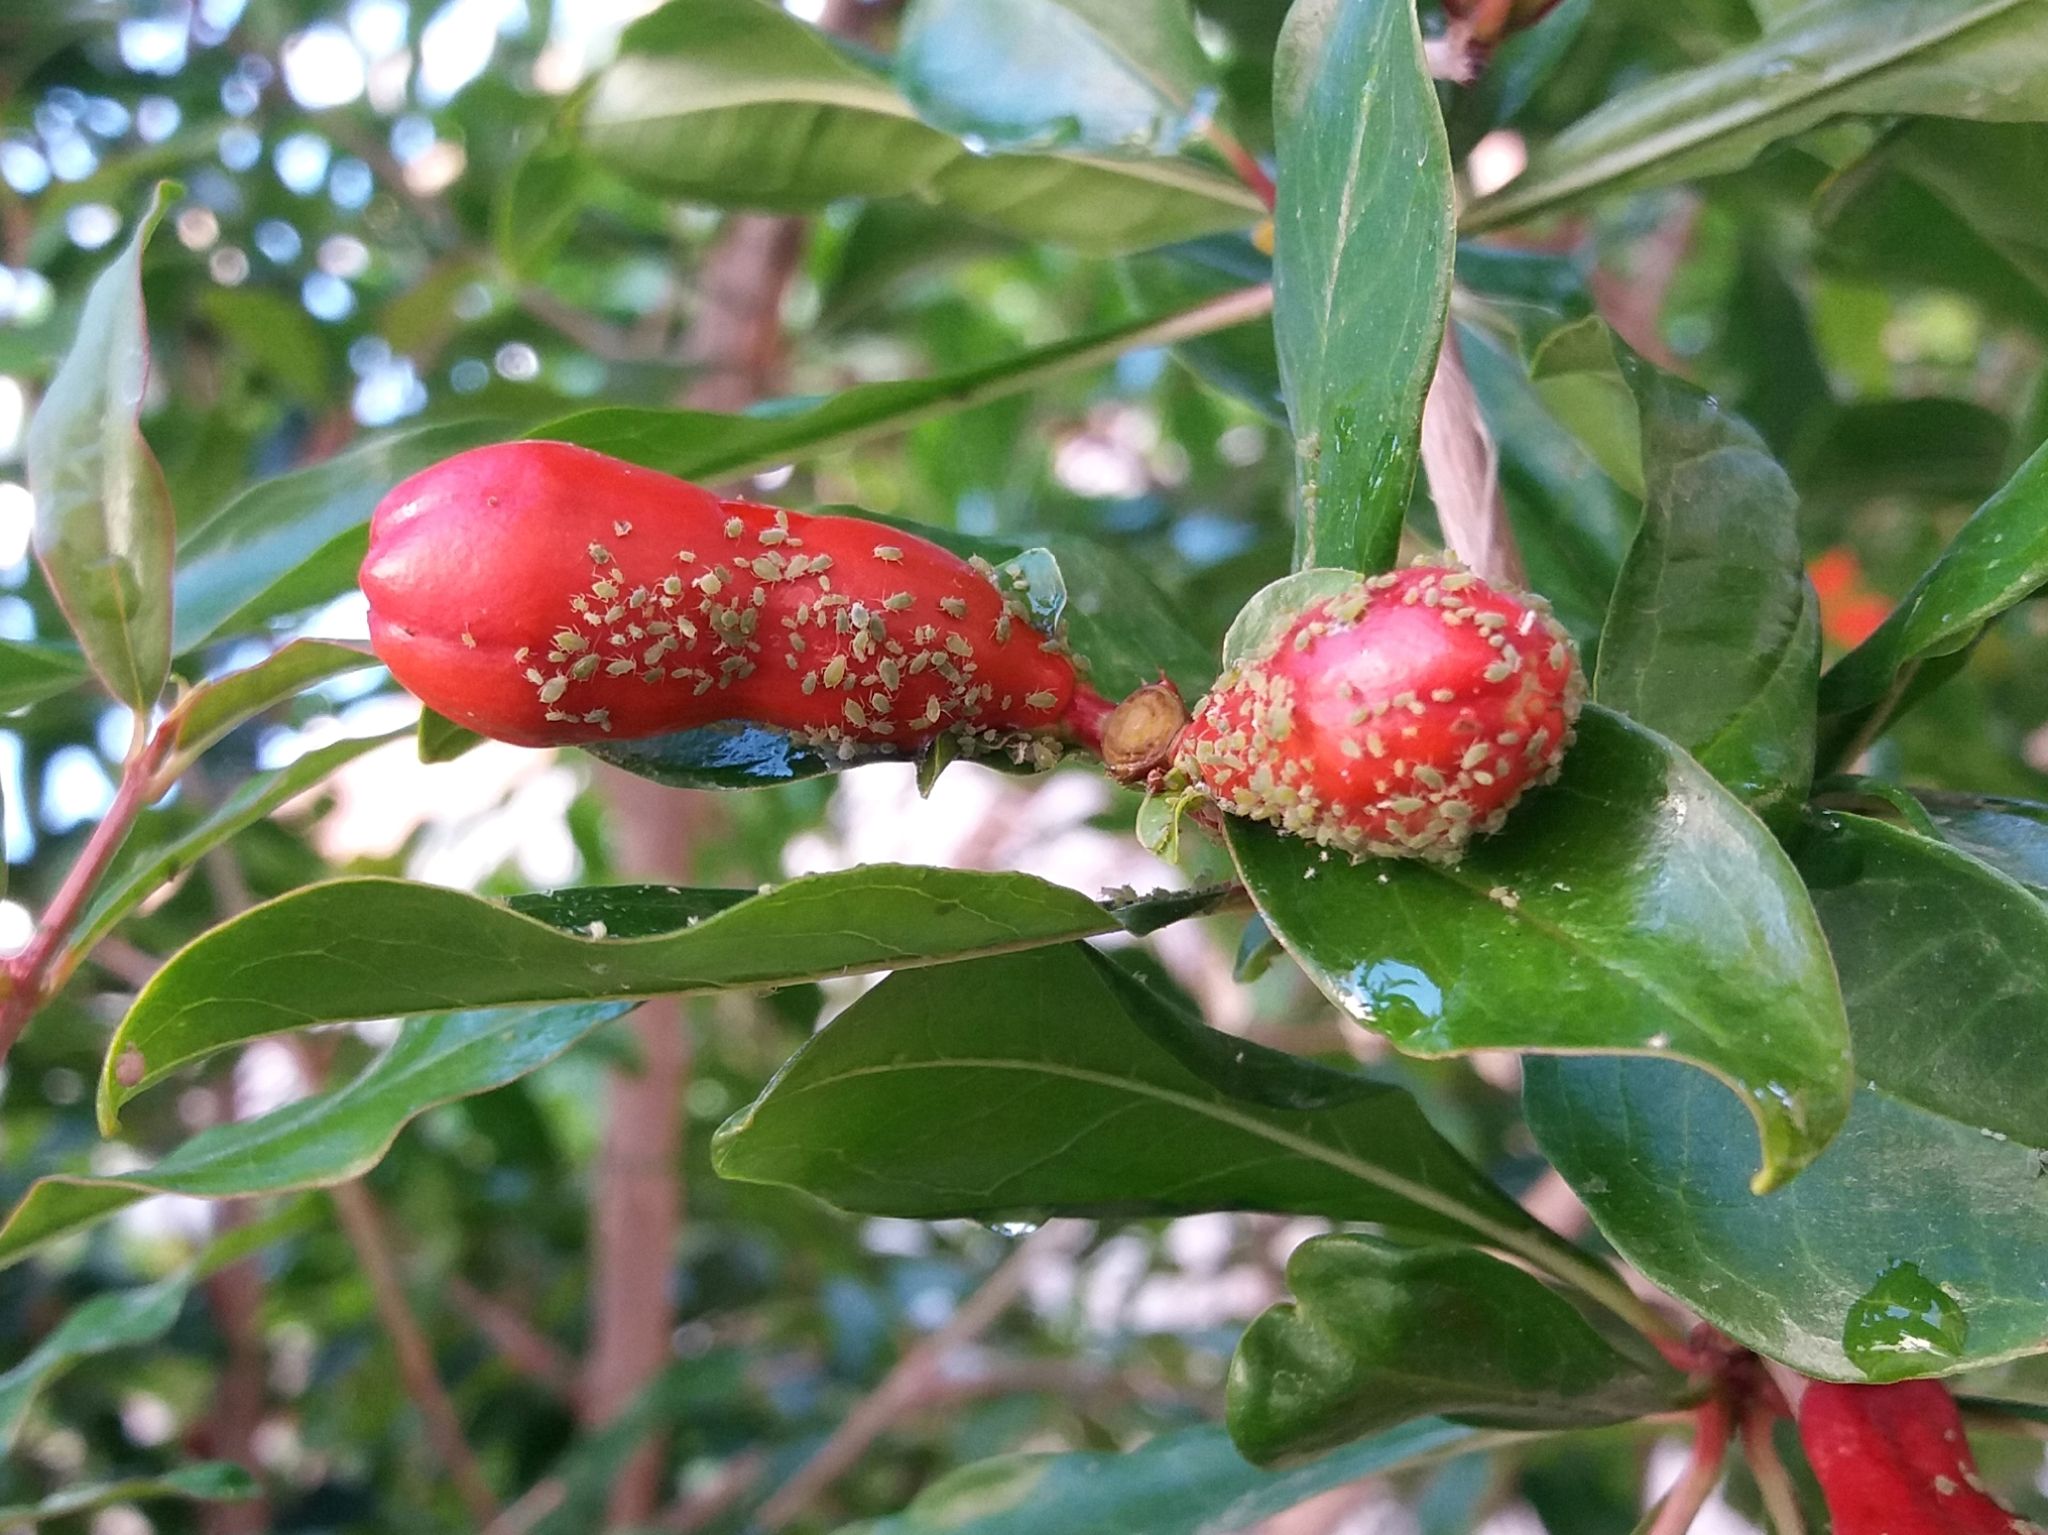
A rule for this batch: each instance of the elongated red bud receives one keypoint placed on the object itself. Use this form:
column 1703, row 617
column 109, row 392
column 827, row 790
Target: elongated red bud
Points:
column 1892, row 1460
column 1399, row 718
column 544, row 594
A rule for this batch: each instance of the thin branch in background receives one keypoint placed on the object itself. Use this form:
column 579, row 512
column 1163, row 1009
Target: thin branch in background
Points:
column 519, row 1343
column 364, row 1225
column 1633, row 303
column 736, row 345
column 1463, row 466
column 241, row 1392
column 1244, row 164
column 906, row 1385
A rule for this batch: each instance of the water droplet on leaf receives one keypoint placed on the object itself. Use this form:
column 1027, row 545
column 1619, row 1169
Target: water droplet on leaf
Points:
column 1904, row 1325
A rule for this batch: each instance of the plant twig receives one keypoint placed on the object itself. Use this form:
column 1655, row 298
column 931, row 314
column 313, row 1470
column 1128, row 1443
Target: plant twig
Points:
column 1773, row 1482
column 37, row 973
column 1702, row 1472
column 522, row 1345
column 1243, row 163
column 1463, row 465
column 905, row 1385
column 363, row 1223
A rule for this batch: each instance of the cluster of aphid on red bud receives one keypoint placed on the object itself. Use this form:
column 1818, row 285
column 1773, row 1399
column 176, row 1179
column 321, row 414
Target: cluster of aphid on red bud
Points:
column 544, row 594
column 1398, row 718
column 547, row 595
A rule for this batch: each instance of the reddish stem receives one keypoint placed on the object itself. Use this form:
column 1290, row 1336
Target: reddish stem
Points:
column 1245, row 164
column 40, row 969
column 1702, row 1473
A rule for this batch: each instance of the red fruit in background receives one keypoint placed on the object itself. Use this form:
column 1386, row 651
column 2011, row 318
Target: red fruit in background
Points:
column 1399, row 718
column 544, row 594
column 1892, row 1460
column 1850, row 611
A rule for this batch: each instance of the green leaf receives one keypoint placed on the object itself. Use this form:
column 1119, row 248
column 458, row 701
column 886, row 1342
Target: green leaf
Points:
column 704, row 445
column 372, row 948
column 1999, row 558
column 320, row 1141
column 161, row 848
column 738, row 103
column 1826, row 59
column 1116, row 76
column 1713, row 634
column 1190, row 1482
column 1633, row 907
column 538, row 203
column 209, row 1481
column 214, row 708
column 1089, row 1094
column 1361, row 267
column 1955, row 940
column 103, row 518
column 276, row 335
column 1910, row 1198
column 1379, row 1335
column 2011, row 835
column 249, row 562
column 29, row 673
column 441, row 739
column 118, row 1319
column 1578, row 375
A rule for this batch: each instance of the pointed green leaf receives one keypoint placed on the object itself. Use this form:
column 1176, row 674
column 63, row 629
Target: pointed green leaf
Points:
column 736, row 102
column 1999, row 557
column 1379, row 1335
column 323, row 1140
column 1092, row 1097
column 161, row 847
column 1633, row 907
column 1114, row 76
column 1361, row 267
column 1713, row 635
column 1824, row 59
column 103, row 518
column 211, row 1481
column 29, row 673
column 372, row 948
column 1920, row 1193
column 1190, row 1482
column 214, row 708
column 442, row 740
column 116, row 1319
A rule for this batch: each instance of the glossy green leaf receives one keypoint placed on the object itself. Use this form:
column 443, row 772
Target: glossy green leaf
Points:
column 109, row 1321
column 214, row 708
column 324, row 1140
column 1999, row 557
column 1361, row 268
column 160, row 849
column 442, row 740
column 1907, row 1201
column 1955, row 940
column 1240, row 361
column 1379, row 1335
column 211, row 1481
column 738, row 103
column 29, row 672
column 372, row 948
column 238, row 568
column 1114, row 76
column 1092, row 1097
column 1578, row 374
column 103, row 518
column 1713, row 635
column 704, row 445
column 1190, row 1482
column 2011, row 835
column 1633, row 907
column 1825, row 59
column 1928, row 448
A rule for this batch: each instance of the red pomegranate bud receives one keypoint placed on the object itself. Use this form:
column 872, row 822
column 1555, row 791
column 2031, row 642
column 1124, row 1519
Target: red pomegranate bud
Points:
column 1892, row 1460
column 1398, row 718
column 544, row 594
